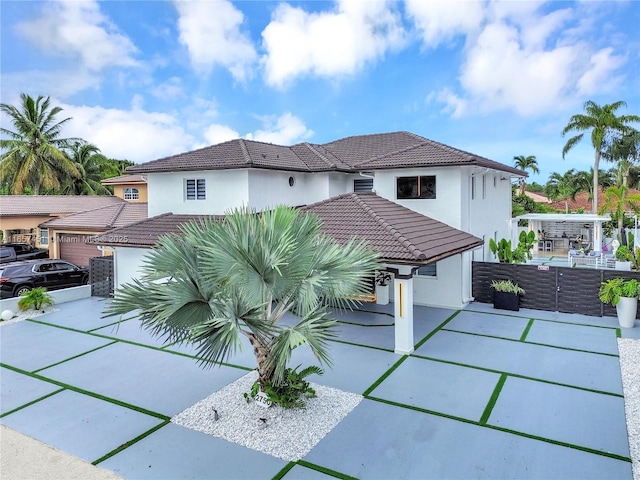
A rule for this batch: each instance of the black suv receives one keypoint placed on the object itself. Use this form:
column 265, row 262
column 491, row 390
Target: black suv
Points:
column 19, row 277
column 10, row 252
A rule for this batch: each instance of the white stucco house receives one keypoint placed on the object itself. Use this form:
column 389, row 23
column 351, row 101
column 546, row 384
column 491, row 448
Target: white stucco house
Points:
column 429, row 208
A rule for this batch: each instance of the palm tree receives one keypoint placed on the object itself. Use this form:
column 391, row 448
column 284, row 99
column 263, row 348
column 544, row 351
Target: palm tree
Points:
column 90, row 163
column 618, row 200
column 601, row 121
column 526, row 163
column 562, row 187
column 34, row 154
column 221, row 280
column 625, row 150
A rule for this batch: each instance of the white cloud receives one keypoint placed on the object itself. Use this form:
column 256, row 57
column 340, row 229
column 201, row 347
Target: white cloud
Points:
column 525, row 61
column 600, row 76
column 211, row 32
column 79, row 30
column 502, row 73
column 134, row 134
column 53, row 83
column 328, row 44
column 284, row 130
column 440, row 21
column 217, row 133
column 170, row 89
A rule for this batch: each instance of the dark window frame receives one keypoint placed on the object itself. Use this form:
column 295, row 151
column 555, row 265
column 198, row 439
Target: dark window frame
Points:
column 418, row 187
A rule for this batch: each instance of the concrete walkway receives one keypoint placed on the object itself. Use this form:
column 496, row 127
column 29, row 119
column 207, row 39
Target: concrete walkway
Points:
column 486, row 394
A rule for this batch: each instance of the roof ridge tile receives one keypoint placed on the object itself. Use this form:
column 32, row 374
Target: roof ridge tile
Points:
column 413, row 250
column 245, row 152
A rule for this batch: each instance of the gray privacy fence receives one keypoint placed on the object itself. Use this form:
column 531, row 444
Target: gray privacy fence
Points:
column 101, row 276
column 558, row 289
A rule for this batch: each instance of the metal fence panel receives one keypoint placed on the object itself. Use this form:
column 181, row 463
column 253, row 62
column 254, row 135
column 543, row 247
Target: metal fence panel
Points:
column 562, row 289
column 101, row 276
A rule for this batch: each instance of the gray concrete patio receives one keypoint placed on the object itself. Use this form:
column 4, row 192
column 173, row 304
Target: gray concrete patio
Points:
column 485, row 394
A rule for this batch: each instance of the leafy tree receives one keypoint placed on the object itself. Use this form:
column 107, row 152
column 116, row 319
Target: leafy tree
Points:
column 562, row 187
column 600, row 120
column 624, row 149
column 617, row 200
column 525, row 163
column 220, row 280
column 33, row 154
column 115, row 168
column 90, row 163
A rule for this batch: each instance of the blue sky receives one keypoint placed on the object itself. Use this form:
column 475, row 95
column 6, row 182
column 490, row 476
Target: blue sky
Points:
column 146, row 79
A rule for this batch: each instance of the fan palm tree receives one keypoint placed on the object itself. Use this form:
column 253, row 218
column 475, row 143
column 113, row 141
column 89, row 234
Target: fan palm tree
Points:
column 618, row 200
column 525, row 163
column 34, row 155
column 89, row 162
column 221, row 280
column 601, row 120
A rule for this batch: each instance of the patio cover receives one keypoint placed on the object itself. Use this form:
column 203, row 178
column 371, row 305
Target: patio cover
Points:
column 536, row 219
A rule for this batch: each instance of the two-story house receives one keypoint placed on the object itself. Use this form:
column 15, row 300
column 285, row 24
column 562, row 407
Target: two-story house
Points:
column 429, row 208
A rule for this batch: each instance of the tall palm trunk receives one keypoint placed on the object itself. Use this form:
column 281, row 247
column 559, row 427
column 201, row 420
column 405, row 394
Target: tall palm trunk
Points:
column 596, row 165
column 266, row 369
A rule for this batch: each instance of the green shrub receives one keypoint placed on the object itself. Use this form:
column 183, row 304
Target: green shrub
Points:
column 507, row 286
column 294, row 391
column 35, row 298
column 623, row 254
column 611, row 290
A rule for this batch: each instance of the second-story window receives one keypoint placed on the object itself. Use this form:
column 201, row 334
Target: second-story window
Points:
column 196, row 189
column 131, row 193
column 416, row 187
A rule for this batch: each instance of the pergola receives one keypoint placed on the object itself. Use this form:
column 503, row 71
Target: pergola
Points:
column 592, row 221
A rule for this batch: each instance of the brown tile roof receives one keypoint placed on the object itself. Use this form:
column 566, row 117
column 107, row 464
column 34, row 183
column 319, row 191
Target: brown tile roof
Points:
column 351, row 154
column 400, row 234
column 13, row 205
column 124, row 179
column 104, row 218
column 583, row 201
column 146, row 232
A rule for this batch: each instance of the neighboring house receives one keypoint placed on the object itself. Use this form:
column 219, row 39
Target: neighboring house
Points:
column 69, row 236
column 424, row 204
column 132, row 188
column 20, row 215
column 537, row 197
column 583, row 201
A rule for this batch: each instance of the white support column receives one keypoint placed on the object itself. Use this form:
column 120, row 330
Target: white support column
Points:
column 597, row 236
column 403, row 305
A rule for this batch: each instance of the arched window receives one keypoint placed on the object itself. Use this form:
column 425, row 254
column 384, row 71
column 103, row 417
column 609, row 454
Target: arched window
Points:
column 131, row 193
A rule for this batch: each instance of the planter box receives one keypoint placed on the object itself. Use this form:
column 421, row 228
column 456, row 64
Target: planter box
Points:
column 506, row 301
column 382, row 294
column 625, row 266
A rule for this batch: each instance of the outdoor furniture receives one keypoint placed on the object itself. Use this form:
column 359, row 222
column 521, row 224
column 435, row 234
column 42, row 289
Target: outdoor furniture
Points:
column 577, row 258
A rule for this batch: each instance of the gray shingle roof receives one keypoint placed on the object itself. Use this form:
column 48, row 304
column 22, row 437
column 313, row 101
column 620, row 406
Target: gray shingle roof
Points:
column 351, row 154
column 16, row 205
column 401, row 235
column 104, row 218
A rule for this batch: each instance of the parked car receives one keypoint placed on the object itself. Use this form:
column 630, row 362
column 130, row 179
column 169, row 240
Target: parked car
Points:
column 19, row 277
column 11, row 252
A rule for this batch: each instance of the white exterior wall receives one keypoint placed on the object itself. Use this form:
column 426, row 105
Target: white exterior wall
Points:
column 127, row 264
column 487, row 215
column 225, row 189
column 268, row 188
column 446, row 290
column 446, row 207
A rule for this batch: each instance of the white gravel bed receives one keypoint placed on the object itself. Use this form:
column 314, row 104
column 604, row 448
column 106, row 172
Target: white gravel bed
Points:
column 629, row 350
column 19, row 316
column 288, row 434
